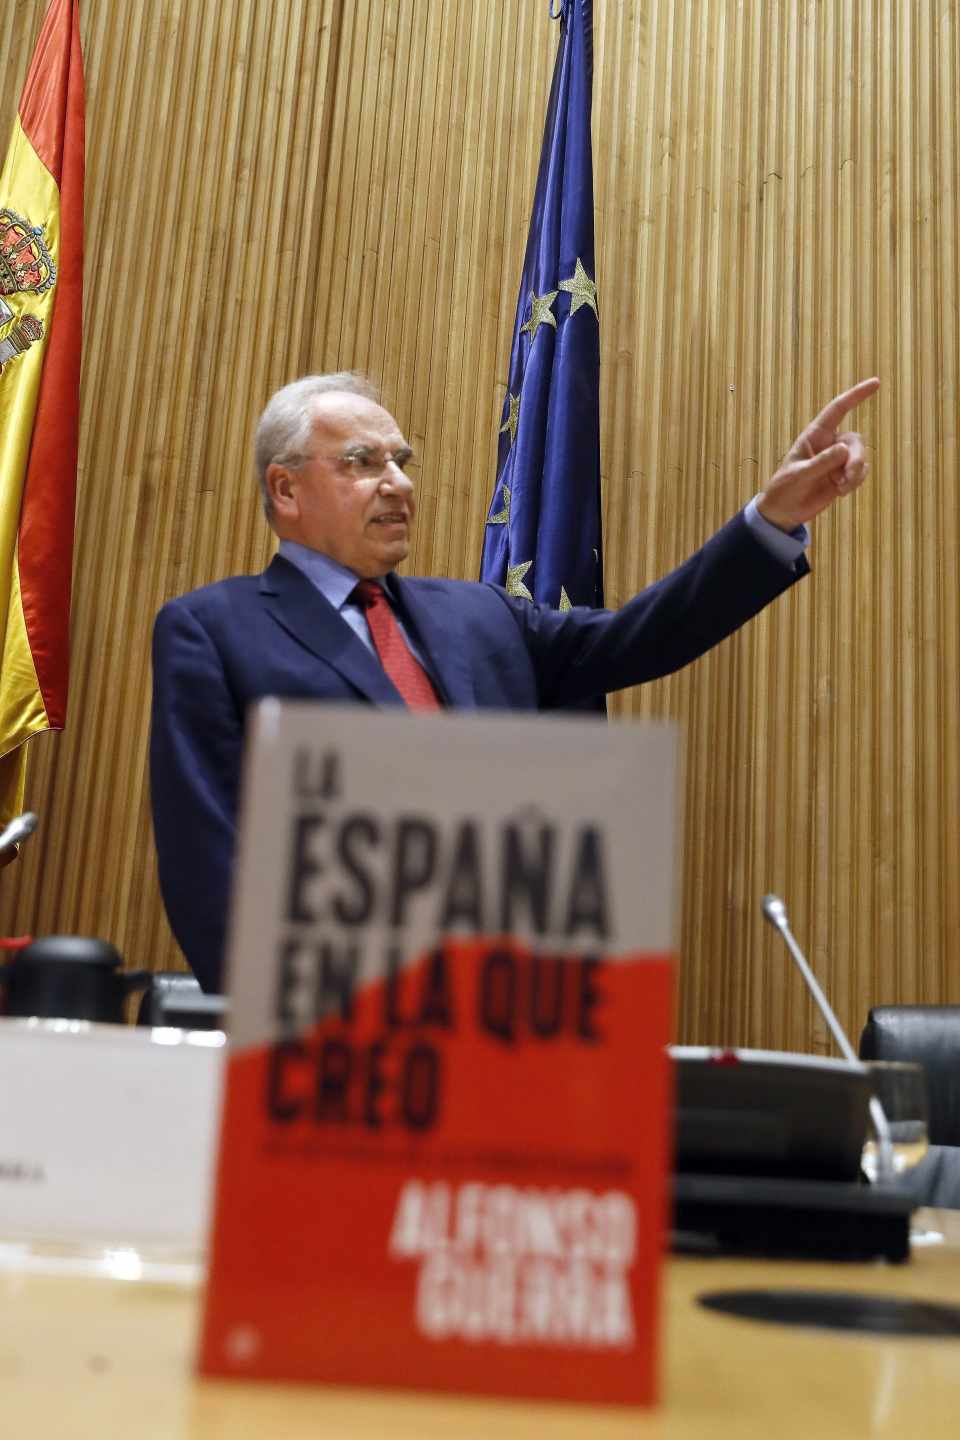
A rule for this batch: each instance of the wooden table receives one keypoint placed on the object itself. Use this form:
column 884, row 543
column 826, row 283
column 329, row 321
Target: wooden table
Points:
column 88, row 1358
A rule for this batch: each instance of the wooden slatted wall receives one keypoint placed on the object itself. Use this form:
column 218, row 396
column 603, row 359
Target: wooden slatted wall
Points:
column 278, row 186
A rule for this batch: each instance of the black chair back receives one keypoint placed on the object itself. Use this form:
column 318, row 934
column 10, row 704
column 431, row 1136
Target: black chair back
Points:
column 929, row 1035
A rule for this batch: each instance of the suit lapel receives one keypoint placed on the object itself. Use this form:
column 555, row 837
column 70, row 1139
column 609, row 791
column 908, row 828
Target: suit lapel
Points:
column 442, row 634
column 299, row 608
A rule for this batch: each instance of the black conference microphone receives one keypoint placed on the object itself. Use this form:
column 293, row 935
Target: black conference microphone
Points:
column 775, row 912
column 18, row 829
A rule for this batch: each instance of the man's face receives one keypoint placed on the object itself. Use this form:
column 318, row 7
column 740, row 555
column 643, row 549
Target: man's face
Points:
column 350, row 499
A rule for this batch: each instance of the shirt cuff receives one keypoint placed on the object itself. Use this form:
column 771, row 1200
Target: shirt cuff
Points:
column 786, row 546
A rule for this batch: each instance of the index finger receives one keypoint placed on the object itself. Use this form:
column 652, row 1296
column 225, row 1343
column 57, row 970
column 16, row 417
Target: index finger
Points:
column 835, row 409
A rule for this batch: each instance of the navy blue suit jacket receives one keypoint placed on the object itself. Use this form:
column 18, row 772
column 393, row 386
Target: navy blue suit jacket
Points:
column 220, row 648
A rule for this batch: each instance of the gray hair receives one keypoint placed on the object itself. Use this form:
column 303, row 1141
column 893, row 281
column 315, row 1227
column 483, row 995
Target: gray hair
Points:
column 283, row 430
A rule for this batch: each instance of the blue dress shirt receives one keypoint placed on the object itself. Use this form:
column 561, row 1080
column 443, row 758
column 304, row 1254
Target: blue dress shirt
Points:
column 336, row 584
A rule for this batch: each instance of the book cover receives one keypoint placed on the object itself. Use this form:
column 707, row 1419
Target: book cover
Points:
column 444, row 1147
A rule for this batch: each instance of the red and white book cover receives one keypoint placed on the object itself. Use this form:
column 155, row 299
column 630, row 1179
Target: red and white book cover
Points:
column 444, row 1148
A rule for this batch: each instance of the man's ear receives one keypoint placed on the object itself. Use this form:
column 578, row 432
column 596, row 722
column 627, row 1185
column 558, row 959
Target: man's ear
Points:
column 281, row 483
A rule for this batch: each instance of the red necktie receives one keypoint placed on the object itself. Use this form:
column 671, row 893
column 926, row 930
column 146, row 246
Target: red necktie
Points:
column 399, row 661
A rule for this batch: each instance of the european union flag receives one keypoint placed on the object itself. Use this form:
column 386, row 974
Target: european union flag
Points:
column 542, row 540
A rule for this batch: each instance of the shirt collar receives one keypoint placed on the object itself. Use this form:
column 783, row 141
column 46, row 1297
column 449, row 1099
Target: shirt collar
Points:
column 334, row 581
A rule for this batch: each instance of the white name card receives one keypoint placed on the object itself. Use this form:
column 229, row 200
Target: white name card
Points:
column 107, row 1133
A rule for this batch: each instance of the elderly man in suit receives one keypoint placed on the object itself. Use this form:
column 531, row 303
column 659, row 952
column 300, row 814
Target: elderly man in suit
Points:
column 330, row 619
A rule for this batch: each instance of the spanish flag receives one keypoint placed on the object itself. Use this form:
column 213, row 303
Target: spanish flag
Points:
column 41, row 273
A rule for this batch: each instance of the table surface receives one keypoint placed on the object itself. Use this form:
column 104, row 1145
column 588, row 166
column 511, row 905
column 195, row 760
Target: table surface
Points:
column 87, row 1357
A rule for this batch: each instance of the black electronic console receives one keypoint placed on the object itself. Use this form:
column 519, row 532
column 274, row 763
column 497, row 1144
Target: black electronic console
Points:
column 768, row 1148
column 789, row 1219
column 769, row 1113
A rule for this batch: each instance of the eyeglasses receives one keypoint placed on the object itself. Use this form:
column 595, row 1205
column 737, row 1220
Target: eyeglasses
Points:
column 365, row 463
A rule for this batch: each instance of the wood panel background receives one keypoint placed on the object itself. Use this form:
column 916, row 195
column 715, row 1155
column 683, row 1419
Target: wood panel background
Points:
column 278, row 186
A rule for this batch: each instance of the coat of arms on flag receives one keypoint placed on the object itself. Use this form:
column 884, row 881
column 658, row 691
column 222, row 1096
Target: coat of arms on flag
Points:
column 25, row 268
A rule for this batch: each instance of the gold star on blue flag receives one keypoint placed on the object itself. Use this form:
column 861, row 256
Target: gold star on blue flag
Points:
column 542, row 535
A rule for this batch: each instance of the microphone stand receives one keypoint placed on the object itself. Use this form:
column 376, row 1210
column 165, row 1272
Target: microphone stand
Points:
column 18, row 830
column 775, row 912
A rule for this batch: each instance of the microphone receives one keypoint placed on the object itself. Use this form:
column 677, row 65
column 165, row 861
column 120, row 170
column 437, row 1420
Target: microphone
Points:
column 18, row 829
column 775, row 913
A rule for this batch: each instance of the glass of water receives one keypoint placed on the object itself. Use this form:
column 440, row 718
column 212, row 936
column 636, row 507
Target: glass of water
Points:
column 901, row 1088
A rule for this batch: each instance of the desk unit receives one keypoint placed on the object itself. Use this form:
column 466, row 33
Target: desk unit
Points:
column 81, row 1358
